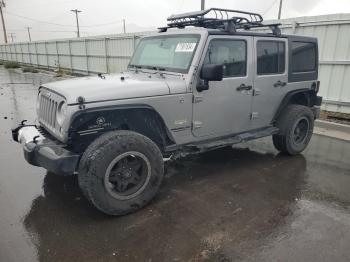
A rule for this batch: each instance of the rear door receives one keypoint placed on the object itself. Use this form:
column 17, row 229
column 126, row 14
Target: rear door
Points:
column 270, row 78
column 225, row 108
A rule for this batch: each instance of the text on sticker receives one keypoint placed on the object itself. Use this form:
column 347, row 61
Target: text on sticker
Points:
column 185, row 47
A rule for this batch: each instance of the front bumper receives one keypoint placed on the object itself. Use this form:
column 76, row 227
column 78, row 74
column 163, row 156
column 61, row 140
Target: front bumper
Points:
column 41, row 151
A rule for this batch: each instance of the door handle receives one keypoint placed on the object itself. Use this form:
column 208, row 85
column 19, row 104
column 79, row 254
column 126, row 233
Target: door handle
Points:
column 279, row 83
column 244, row 87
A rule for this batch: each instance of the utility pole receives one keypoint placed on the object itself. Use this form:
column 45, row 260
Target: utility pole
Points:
column 76, row 11
column 124, row 30
column 202, row 4
column 12, row 35
column 2, row 5
column 28, row 29
column 280, row 10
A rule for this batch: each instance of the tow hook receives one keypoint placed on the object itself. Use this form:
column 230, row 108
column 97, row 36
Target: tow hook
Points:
column 35, row 139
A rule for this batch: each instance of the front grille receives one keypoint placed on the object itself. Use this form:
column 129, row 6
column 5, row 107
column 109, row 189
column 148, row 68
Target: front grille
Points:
column 48, row 111
column 48, row 103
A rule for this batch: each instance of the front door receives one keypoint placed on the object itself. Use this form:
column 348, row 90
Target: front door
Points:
column 270, row 79
column 225, row 107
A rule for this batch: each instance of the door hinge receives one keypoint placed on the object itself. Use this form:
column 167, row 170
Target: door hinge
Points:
column 256, row 91
column 197, row 124
column 254, row 115
column 197, row 99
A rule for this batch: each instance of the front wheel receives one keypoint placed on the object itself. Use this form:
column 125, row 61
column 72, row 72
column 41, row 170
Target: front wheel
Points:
column 296, row 125
column 121, row 172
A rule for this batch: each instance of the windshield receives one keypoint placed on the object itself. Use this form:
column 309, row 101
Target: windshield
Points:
column 169, row 52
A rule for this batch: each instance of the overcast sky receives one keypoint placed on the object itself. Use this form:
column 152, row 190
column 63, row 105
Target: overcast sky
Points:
column 51, row 19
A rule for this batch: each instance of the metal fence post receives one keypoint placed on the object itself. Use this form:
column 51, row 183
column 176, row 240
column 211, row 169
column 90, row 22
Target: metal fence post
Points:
column 58, row 56
column 134, row 43
column 29, row 54
column 47, row 56
column 8, row 50
column 106, row 55
column 36, row 53
column 20, row 45
column 87, row 55
column 294, row 26
column 70, row 56
column 16, row 55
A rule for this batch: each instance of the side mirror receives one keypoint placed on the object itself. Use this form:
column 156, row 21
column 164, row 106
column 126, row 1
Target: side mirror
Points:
column 210, row 72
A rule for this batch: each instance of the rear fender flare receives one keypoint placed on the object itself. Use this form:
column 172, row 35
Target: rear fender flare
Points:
column 308, row 96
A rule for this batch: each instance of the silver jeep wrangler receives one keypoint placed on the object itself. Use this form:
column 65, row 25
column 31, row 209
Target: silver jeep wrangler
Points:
column 207, row 80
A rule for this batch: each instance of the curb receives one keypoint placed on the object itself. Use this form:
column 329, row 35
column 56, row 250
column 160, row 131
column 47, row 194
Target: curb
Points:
column 332, row 126
column 333, row 130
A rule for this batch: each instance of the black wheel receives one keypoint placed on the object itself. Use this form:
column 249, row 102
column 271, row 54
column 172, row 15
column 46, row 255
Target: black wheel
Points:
column 121, row 172
column 296, row 125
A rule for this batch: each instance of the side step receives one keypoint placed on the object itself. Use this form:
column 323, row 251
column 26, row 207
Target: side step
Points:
column 206, row 145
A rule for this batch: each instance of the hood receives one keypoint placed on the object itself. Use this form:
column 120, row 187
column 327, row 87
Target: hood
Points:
column 116, row 86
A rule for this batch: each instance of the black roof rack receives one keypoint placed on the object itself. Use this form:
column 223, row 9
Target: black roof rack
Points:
column 217, row 18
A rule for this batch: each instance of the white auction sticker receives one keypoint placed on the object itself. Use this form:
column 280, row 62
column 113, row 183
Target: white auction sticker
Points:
column 185, row 47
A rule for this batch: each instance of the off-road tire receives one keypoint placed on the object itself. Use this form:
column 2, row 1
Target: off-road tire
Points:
column 97, row 158
column 284, row 140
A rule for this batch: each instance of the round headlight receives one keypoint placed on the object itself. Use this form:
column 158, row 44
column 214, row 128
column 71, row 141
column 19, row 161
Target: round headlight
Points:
column 61, row 112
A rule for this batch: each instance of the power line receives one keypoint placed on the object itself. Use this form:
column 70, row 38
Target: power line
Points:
column 46, row 31
column 56, row 31
column 36, row 20
column 268, row 9
column 113, row 22
column 46, row 22
column 44, row 4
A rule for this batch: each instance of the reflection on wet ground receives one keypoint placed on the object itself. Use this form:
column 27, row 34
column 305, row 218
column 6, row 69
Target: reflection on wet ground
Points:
column 248, row 203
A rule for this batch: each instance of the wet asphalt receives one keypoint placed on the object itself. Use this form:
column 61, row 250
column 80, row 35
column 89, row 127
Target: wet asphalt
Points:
column 243, row 204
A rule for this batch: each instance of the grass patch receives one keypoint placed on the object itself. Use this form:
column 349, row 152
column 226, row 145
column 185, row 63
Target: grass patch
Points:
column 1, row 62
column 11, row 64
column 62, row 72
column 29, row 69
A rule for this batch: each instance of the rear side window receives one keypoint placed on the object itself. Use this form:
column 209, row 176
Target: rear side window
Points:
column 303, row 57
column 271, row 57
column 232, row 54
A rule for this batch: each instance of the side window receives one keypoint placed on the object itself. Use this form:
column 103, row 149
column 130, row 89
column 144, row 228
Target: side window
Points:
column 271, row 57
column 230, row 53
column 303, row 57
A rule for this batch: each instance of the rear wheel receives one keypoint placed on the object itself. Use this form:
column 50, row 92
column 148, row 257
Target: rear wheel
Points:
column 121, row 172
column 295, row 125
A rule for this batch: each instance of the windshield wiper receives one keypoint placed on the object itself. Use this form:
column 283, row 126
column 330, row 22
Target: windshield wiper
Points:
column 155, row 68
column 136, row 66
column 148, row 67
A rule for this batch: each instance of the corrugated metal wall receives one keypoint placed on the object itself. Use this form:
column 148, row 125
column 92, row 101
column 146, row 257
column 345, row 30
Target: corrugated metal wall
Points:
column 84, row 55
column 333, row 34
column 111, row 54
